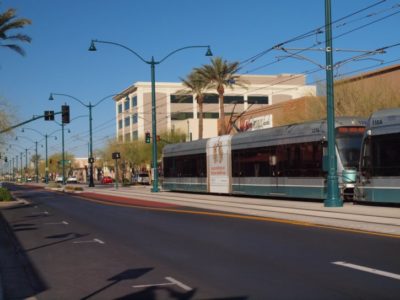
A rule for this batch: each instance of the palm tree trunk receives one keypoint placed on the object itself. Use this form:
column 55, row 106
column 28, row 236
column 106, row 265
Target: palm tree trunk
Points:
column 200, row 105
column 222, row 128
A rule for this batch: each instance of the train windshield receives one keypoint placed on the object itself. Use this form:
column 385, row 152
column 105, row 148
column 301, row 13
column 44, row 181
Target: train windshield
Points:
column 348, row 142
column 384, row 155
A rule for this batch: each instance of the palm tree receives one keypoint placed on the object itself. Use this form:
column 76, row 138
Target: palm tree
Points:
column 196, row 85
column 220, row 74
column 7, row 23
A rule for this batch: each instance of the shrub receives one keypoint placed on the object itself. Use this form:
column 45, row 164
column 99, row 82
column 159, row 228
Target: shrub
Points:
column 69, row 188
column 54, row 185
column 5, row 195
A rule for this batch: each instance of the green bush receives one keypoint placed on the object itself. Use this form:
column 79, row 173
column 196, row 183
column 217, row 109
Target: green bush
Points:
column 5, row 195
column 54, row 185
column 126, row 182
column 73, row 188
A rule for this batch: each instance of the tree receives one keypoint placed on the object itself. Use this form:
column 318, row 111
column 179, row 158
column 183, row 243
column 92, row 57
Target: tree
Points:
column 8, row 22
column 220, row 74
column 196, row 84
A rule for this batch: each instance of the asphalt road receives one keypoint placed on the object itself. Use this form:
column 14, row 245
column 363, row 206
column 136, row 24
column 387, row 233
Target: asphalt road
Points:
column 80, row 249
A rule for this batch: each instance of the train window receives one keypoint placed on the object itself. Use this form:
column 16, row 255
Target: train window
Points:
column 385, row 158
column 348, row 141
column 292, row 160
column 185, row 166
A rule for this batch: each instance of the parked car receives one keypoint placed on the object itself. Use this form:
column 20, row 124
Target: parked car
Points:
column 59, row 179
column 106, row 180
column 141, row 178
column 72, row 179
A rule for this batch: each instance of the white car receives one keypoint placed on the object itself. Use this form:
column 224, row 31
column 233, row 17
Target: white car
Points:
column 72, row 179
column 59, row 179
column 141, row 178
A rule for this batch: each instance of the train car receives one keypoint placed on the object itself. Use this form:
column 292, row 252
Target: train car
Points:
column 379, row 174
column 285, row 161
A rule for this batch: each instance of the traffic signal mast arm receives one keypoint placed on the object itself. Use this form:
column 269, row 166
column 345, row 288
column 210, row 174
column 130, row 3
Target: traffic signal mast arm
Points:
column 26, row 122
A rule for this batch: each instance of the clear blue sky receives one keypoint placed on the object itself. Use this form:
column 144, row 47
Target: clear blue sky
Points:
column 57, row 60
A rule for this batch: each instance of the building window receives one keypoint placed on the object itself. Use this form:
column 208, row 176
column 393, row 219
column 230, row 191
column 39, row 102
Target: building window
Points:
column 210, row 99
column 135, row 135
column 181, row 99
column 126, row 104
column 209, row 115
column 257, row 99
column 120, row 124
column 127, row 122
column 233, row 99
column 134, row 118
column 120, row 108
column 181, row 115
column 134, row 101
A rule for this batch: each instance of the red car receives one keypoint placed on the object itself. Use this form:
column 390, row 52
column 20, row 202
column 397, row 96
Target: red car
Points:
column 106, row 180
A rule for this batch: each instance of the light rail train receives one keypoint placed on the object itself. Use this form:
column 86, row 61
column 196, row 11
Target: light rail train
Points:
column 285, row 161
column 379, row 176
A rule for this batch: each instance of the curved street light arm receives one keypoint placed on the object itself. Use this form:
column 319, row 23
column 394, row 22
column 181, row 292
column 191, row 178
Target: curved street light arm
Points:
column 122, row 46
column 37, row 131
column 180, row 49
column 69, row 96
column 109, row 96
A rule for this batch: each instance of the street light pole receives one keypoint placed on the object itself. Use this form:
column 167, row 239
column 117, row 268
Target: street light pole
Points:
column 154, row 126
column 333, row 195
column 46, row 171
column 36, row 163
column 152, row 64
column 91, row 159
column 90, row 107
column 63, row 154
column 21, row 165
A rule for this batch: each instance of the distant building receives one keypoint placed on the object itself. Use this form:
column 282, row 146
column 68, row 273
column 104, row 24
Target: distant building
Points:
column 285, row 112
column 174, row 112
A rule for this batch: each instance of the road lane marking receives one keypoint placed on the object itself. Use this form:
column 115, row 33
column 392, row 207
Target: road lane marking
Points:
column 57, row 223
column 366, row 269
column 178, row 283
column 171, row 280
column 90, row 241
column 245, row 217
column 151, row 285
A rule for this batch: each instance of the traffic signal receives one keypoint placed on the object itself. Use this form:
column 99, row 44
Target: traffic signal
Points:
column 147, row 140
column 158, row 138
column 49, row 115
column 65, row 114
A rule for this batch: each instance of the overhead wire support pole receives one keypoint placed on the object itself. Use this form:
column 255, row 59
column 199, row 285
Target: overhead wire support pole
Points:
column 333, row 196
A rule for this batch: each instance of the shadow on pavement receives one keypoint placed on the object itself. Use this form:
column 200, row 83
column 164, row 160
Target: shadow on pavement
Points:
column 125, row 275
column 72, row 235
column 20, row 279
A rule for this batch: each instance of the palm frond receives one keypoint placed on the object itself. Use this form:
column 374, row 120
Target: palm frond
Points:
column 16, row 48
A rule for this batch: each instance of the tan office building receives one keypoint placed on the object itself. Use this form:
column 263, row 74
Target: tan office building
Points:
column 174, row 112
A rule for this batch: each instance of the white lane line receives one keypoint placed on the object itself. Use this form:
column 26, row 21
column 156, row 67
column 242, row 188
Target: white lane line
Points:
column 366, row 269
column 150, row 285
column 178, row 283
column 57, row 223
column 90, row 241
column 171, row 280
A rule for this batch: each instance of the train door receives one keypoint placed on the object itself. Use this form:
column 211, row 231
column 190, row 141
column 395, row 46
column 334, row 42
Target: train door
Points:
column 219, row 168
column 277, row 161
